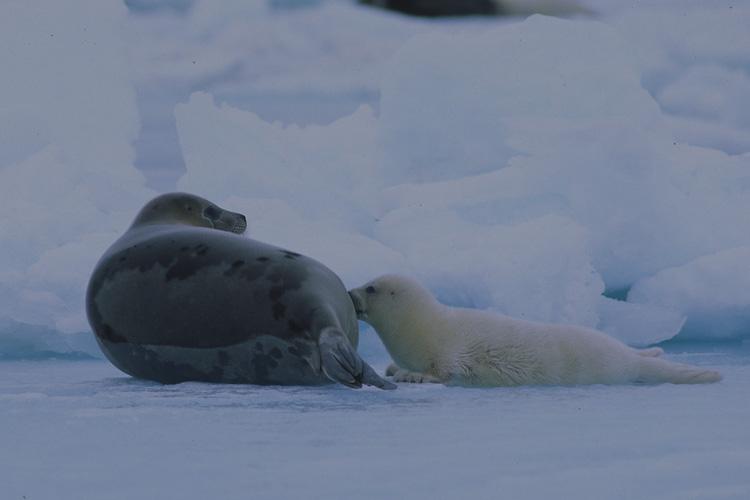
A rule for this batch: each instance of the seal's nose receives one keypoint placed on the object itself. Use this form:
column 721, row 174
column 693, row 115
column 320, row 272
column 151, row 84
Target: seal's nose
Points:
column 241, row 224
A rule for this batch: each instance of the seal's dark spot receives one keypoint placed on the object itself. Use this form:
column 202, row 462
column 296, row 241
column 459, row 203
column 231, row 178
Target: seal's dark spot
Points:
column 275, row 292
column 274, row 277
column 107, row 333
column 279, row 310
column 184, row 249
column 238, row 263
column 294, row 326
column 182, row 269
column 262, row 259
column 201, row 249
column 290, row 255
column 276, row 353
column 300, row 349
column 370, row 289
column 123, row 259
column 259, row 347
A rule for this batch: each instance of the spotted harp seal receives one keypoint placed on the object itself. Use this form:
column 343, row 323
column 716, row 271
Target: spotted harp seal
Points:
column 182, row 296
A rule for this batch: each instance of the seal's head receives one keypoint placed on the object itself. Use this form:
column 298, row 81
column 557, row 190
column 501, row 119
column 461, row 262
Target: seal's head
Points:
column 191, row 210
column 388, row 295
column 405, row 316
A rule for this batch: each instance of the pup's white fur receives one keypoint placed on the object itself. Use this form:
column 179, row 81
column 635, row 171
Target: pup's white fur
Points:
column 432, row 342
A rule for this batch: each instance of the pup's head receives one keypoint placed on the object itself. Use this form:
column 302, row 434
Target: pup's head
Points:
column 387, row 297
column 191, row 210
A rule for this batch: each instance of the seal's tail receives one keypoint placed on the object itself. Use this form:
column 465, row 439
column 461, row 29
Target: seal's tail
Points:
column 657, row 371
column 342, row 364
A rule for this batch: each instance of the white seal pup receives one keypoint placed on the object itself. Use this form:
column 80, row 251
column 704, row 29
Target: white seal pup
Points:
column 432, row 342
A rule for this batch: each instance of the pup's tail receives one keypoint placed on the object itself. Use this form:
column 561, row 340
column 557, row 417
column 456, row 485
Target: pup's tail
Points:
column 651, row 352
column 656, row 371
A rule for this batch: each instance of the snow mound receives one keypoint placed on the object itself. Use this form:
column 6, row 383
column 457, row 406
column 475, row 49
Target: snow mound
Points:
column 523, row 169
column 67, row 184
column 519, row 166
column 549, row 116
column 693, row 59
column 536, row 270
column 712, row 291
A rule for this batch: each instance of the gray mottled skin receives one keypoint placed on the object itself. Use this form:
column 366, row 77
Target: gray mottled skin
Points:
column 182, row 296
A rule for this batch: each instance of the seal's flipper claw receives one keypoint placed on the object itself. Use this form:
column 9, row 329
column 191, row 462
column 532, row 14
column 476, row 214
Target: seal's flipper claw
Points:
column 341, row 363
column 370, row 377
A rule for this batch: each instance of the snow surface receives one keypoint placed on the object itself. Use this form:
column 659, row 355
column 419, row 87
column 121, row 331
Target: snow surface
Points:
column 83, row 430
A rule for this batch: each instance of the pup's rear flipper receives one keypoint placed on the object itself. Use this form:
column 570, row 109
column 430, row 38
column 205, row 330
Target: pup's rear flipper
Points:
column 657, row 371
column 651, row 352
column 341, row 363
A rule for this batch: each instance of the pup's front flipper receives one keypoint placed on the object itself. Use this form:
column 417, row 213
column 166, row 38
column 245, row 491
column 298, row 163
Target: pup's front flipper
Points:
column 341, row 363
column 402, row 375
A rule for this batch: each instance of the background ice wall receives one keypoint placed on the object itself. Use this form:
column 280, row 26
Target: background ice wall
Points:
column 523, row 166
column 523, row 169
column 67, row 185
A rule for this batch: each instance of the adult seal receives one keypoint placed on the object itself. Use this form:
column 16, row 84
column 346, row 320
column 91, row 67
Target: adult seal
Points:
column 182, row 296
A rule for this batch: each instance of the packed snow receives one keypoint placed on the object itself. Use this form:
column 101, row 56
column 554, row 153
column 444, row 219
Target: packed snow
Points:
column 82, row 430
column 67, row 181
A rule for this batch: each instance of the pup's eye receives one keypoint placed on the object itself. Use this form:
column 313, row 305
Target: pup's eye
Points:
column 370, row 289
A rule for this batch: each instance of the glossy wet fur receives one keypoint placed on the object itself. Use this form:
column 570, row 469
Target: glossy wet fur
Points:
column 167, row 274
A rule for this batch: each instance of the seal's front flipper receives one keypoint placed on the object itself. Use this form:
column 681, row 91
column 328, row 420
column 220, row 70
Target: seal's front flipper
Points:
column 341, row 363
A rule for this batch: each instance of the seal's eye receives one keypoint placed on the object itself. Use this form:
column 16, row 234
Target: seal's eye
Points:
column 212, row 212
column 370, row 289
